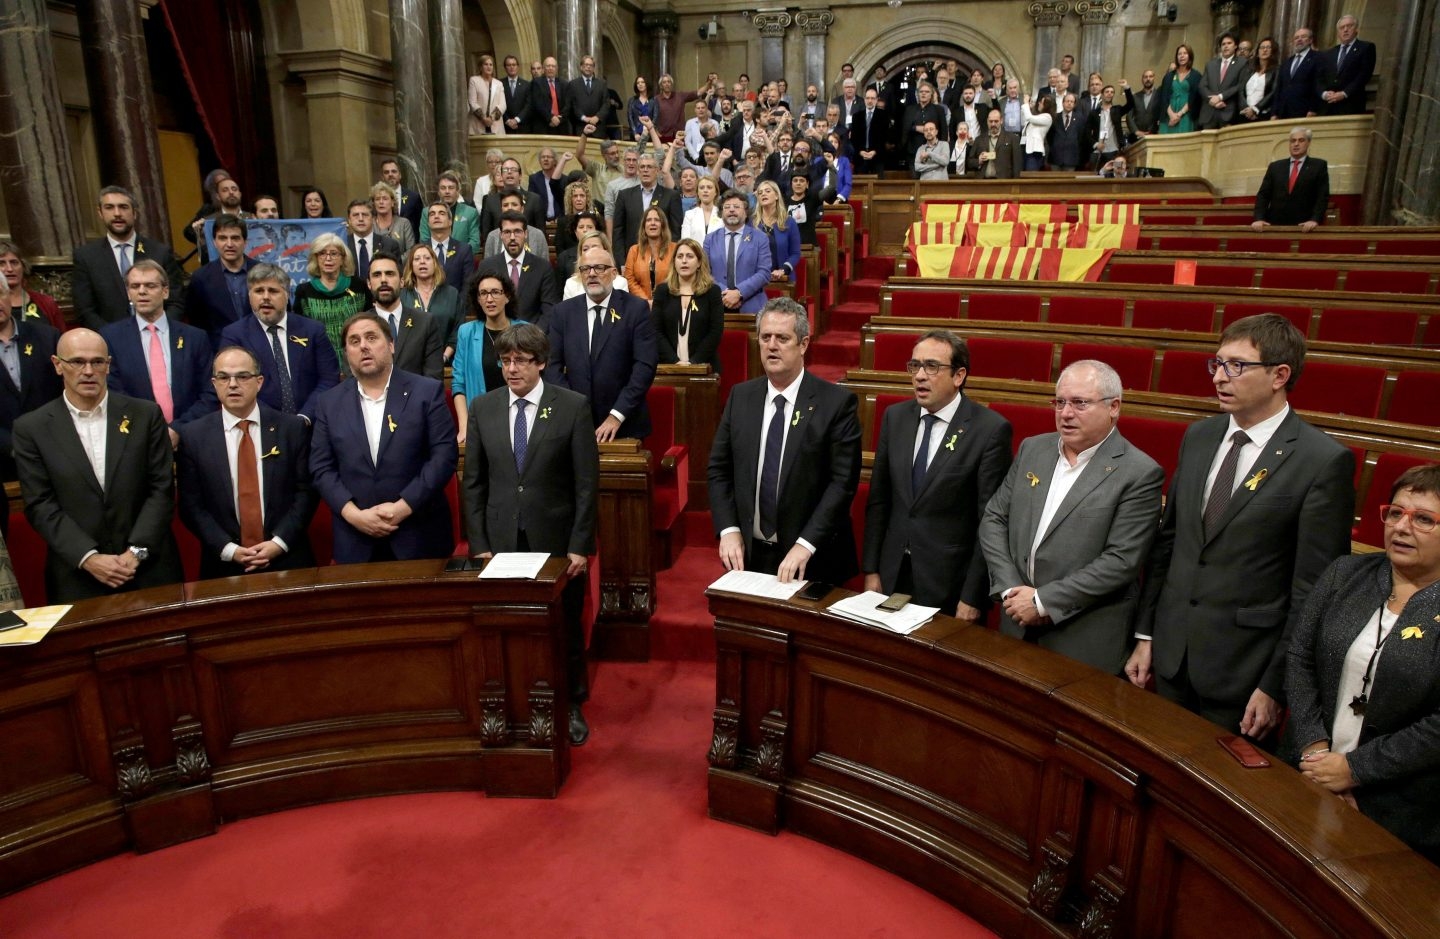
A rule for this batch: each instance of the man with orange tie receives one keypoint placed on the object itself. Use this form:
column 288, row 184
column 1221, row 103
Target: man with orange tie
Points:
column 1296, row 190
column 244, row 477
column 156, row 357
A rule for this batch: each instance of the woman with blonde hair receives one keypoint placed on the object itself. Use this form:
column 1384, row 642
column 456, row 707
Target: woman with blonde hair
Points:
column 770, row 216
column 423, row 287
column 648, row 261
column 688, row 314
column 575, row 283
column 487, row 100
column 382, row 197
column 332, row 294
column 576, row 202
column 704, row 217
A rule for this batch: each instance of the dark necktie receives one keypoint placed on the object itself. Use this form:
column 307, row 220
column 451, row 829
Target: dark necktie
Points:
column 362, row 259
column 917, row 469
column 394, row 330
column 247, row 478
column 522, row 437
column 770, row 470
column 282, row 372
column 730, row 259
column 1224, row 487
column 599, row 312
column 1340, row 59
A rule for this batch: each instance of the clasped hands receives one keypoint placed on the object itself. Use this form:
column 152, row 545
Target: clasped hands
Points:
column 112, row 570
column 1019, row 604
column 378, row 521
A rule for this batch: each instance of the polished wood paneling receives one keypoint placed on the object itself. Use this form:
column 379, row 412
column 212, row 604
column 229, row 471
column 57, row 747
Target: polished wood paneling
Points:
column 1039, row 795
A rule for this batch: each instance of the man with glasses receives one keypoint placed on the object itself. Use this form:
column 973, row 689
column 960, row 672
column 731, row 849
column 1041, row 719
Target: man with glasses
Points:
column 95, row 474
column 244, row 477
column 1066, row 534
column 532, row 476
column 157, row 358
column 602, row 344
column 1260, row 504
column 536, row 290
column 938, row 462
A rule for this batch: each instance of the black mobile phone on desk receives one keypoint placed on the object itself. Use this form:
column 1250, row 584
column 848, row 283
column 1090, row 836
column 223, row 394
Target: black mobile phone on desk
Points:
column 455, row 565
column 815, row 590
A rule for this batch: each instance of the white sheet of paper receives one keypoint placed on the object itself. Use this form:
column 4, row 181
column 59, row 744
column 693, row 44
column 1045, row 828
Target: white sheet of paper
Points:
column 864, row 608
column 754, row 584
column 515, row 565
column 40, row 620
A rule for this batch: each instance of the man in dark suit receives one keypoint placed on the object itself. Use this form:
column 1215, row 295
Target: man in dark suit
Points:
column 217, row 294
column 589, row 100
column 28, row 379
column 1072, row 78
column 97, row 280
column 409, row 204
column 383, row 452
column 294, row 353
column 739, row 256
column 532, row 475
column 95, row 473
column 517, row 98
column 938, row 462
column 419, row 346
column 545, row 186
column 1259, row 505
column 785, row 462
column 244, row 478
column 869, row 133
column 1294, row 191
column 1343, row 72
column 632, row 203
column 1297, row 91
column 973, row 113
column 363, row 240
column 602, row 344
column 550, row 102
column 536, row 289
column 997, row 154
column 885, row 90
column 156, row 358
column 1066, row 534
column 781, row 162
column 1221, row 85
column 912, row 127
column 1067, row 138
column 1105, row 133
column 455, row 256
column 1147, row 106
column 534, row 207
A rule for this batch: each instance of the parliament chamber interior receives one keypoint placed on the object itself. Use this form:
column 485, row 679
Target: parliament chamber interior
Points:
column 285, row 698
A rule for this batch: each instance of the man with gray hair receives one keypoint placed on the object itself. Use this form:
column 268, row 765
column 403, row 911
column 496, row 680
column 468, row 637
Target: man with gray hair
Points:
column 1066, row 534
column 1295, row 190
column 1345, row 70
column 786, row 462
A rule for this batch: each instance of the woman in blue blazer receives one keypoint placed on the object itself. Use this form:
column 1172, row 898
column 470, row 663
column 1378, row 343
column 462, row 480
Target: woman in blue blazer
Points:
column 770, row 217
column 476, row 368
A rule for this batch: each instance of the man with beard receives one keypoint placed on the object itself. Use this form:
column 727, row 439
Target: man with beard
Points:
column 224, row 200
column 97, row 279
column 418, row 345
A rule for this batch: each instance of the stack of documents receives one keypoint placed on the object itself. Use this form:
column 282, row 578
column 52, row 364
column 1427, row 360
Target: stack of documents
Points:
column 515, row 565
column 864, row 608
column 27, row 627
column 753, row 584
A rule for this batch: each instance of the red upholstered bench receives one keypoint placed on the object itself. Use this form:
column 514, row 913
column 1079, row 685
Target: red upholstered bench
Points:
column 1368, row 327
column 1135, row 364
column 1340, row 389
column 1021, row 359
column 1004, row 306
column 1196, row 316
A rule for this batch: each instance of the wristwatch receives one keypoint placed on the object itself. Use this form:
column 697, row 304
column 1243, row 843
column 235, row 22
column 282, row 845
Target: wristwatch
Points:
column 139, row 552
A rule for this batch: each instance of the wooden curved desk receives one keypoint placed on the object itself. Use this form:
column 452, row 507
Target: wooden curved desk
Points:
column 1035, row 793
column 148, row 718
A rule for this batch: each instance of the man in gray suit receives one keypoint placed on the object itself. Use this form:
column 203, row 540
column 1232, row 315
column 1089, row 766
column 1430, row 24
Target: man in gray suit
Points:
column 532, row 478
column 939, row 460
column 1259, row 506
column 1066, row 534
column 1220, row 86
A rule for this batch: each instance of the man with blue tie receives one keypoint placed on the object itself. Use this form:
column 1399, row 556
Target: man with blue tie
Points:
column 602, row 344
column 244, row 477
column 456, row 256
column 1343, row 72
column 295, row 355
column 97, row 279
column 363, row 240
column 739, row 257
column 383, row 452
column 156, row 358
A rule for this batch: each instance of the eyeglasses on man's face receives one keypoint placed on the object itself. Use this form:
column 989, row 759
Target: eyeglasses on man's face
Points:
column 930, row 366
column 225, row 378
column 1234, row 368
column 1079, row 405
column 81, row 364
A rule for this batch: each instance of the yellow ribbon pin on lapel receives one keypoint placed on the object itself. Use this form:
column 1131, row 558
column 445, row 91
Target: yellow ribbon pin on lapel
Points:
column 1254, row 482
column 1034, row 480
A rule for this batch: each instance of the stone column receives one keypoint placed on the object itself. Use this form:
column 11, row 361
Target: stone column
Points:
column 567, row 39
column 1047, row 15
column 414, row 99
column 662, row 27
column 118, row 76
column 451, row 83
column 36, row 175
column 1402, row 177
column 590, row 43
column 772, row 27
column 1094, row 24
column 1227, row 20
column 1291, row 15
column 815, row 26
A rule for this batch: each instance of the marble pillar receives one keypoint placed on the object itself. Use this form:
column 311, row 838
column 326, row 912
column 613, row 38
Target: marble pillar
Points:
column 1047, row 15
column 414, row 98
column 1402, row 177
column 662, row 28
column 36, row 175
column 1291, row 15
column 772, row 26
column 1226, row 14
column 1094, row 27
column 117, row 73
column 814, row 26
column 568, row 39
column 450, row 79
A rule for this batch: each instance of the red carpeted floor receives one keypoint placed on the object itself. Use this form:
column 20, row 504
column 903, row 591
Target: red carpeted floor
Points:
column 627, row 849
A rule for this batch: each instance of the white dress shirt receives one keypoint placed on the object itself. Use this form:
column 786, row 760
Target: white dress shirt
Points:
column 90, row 426
column 373, row 411
column 231, row 423
column 1259, row 436
column 115, row 250
column 937, row 436
column 531, row 412
column 1062, row 481
column 1345, row 729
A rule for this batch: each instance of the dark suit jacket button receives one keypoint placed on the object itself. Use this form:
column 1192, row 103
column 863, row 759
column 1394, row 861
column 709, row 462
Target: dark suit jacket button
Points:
column 1202, row 563
column 1194, row 602
column 519, row 488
